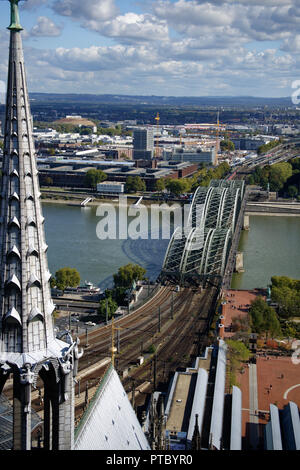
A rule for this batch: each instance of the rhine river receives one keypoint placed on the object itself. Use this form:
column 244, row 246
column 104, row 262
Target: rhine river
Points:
column 271, row 247
column 72, row 239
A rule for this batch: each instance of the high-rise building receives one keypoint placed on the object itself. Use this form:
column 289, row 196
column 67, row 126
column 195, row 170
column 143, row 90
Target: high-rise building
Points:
column 143, row 144
column 28, row 347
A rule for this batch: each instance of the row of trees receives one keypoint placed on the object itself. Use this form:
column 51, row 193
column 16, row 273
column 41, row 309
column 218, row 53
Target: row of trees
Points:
column 269, row 146
column 275, row 175
column 113, row 131
column 204, row 176
column 185, row 185
column 64, row 127
column 175, row 186
column 282, row 177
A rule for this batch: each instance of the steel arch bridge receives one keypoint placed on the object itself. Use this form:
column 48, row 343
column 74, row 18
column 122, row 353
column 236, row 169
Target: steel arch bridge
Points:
column 200, row 249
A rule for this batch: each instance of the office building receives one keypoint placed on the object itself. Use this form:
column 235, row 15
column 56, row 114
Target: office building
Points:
column 143, row 144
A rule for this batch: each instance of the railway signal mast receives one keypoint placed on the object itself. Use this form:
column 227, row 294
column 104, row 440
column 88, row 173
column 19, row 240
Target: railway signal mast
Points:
column 113, row 349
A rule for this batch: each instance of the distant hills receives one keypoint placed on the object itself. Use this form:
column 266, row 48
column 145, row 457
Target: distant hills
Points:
column 213, row 101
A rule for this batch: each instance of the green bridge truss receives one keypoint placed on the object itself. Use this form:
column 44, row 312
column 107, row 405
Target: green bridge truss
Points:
column 200, row 249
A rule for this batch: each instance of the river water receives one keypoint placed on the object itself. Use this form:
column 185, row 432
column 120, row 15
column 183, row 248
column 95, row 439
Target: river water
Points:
column 72, row 239
column 271, row 247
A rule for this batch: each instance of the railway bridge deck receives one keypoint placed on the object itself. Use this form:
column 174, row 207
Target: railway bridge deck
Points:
column 201, row 250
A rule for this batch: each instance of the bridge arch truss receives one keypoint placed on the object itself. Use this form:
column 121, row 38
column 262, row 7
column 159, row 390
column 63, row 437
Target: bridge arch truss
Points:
column 202, row 249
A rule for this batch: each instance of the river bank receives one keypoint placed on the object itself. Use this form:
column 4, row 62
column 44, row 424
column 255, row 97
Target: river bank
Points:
column 131, row 200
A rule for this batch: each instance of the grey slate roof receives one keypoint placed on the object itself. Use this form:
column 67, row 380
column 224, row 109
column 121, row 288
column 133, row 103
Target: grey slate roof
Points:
column 110, row 422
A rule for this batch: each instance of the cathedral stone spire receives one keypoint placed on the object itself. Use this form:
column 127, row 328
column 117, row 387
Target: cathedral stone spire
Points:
column 28, row 346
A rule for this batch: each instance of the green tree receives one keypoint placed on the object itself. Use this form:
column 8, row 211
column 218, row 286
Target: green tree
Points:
column 205, row 175
column 274, row 175
column 295, row 162
column 93, row 177
column 286, row 293
column 237, row 352
column 264, row 318
column 127, row 274
column 279, row 174
column 269, row 146
column 293, row 191
column 67, row 277
column 160, row 185
column 256, row 312
column 227, row 145
column 282, row 281
column 85, row 131
column 111, row 306
column 178, row 186
column 134, row 184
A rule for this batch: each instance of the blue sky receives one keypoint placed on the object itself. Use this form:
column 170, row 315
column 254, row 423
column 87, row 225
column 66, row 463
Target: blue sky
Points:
column 160, row 47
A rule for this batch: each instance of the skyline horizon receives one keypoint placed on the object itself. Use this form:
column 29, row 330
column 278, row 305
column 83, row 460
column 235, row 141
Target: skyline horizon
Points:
column 174, row 48
column 149, row 95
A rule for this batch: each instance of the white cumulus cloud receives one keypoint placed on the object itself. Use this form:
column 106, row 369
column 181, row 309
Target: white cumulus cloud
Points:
column 45, row 27
column 88, row 12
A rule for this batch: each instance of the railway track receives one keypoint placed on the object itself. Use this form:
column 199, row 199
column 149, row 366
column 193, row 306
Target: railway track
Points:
column 176, row 341
column 179, row 343
column 99, row 340
column 176, row 344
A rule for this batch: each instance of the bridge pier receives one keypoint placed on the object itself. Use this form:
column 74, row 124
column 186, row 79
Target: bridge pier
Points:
column 239, row 262
column 246, row 222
